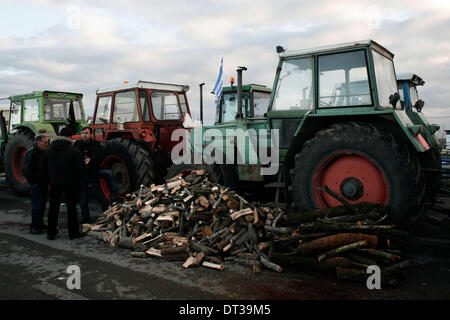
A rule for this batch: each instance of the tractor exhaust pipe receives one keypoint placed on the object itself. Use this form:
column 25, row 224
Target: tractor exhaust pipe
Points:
column 201, row 102
column 239, row 91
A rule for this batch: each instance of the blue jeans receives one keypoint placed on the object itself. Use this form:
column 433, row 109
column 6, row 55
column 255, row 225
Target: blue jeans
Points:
column 84, row 184
column 110, row 180
column 38, row 195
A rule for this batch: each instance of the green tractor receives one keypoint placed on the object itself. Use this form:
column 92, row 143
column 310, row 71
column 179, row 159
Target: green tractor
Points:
column 39, row 112
column 335, row 123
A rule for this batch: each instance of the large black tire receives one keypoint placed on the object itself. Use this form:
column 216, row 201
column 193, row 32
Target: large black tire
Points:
column 15, row 150
column 131, row 164
column 361, row 164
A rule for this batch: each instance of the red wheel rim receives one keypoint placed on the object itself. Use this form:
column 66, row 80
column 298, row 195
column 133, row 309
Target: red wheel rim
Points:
column 120, row 172
column 353, row 177
column 17, row 156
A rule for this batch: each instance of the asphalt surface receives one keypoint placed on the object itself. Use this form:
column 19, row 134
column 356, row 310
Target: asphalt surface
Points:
column 33, row 267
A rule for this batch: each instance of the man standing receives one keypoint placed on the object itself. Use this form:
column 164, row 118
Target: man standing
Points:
column 63, row 165
column 90, row 150
column 38, row 186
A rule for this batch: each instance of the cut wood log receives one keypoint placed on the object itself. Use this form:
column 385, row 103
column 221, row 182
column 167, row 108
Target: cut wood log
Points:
column 174, row 250
column 330, row 242
column 126, row 243
column 154, row 252
column 270, row 265
column 379, row 254
column 349, row 274
column 241, row 213
column 346, row 248
column 137, row 254
column 194, row 260
column 212, row 265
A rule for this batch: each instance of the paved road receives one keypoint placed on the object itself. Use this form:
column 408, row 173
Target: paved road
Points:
column 33, row 267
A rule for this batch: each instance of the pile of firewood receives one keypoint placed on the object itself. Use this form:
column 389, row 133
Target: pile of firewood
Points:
column 199, row 222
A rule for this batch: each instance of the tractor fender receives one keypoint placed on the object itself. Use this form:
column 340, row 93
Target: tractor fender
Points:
column 36, row 128
column 395, row 121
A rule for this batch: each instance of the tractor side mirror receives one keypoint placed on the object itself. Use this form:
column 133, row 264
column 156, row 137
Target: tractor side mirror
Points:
column 393, row 99
column 419, row 105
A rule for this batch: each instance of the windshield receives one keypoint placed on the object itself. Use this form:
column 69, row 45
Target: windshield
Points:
column 386, row 81
column 294, row 85
column 58, row 108
column 165, row 106
column 230, row 105
column 343, row 80
column 260, row 103
column 413, row 95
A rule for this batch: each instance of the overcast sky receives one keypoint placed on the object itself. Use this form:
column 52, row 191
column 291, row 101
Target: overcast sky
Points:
column 81, row 46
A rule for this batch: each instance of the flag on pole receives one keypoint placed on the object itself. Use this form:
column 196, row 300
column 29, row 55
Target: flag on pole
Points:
column 218, row 87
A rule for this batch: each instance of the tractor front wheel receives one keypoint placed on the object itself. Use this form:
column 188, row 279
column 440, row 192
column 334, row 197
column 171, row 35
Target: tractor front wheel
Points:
column 360, row 163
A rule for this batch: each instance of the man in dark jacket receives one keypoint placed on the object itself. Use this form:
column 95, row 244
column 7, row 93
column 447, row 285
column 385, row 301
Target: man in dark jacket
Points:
column 38, row 186
column 62, row 163
column 91, row 150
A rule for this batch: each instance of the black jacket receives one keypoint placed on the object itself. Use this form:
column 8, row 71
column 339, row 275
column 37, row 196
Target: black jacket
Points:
column 91, row 150
column 62, row 163
column 30, row 166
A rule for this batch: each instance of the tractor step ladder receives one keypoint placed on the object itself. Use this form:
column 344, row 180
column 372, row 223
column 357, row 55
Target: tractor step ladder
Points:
column 279, row 185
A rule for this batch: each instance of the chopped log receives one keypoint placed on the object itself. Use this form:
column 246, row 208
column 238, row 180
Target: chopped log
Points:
column 85, row 227
column 174, row 250
column 196, row 246
column 361, row 259
column 213, row 259
column 137, row 254
column 203, row 201
column 174, row 184
column 379, row 254
column 342, row 249
column 142, row 237
column 257, row 267
column 270, row 265
column 349, row 274
column 309, row 263
column 356, row 217
column 396, row 267
column 126, row 243
column 238, row 214
column 212, row 265
column 330, row 242
column 154, row 252
column 154, row 240
column 194, row 260
column 278, row 230
column 338, row 198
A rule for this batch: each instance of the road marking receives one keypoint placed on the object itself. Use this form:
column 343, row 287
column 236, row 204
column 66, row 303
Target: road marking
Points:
column 58, row 292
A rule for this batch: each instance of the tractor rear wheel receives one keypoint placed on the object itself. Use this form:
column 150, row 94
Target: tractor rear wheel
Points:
column 130, row 163
column 15, row 151
column 360, row 163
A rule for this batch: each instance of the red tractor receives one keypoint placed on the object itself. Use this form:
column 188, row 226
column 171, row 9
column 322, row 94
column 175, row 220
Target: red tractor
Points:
column 135, row 122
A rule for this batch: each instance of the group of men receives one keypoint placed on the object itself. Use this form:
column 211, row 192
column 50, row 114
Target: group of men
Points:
column 67, row 167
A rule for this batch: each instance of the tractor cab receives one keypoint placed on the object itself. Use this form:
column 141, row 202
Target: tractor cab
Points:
column 144, row 111
column 407, row 88
column 39, row 112
column 255, row 100
column 135, row 121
